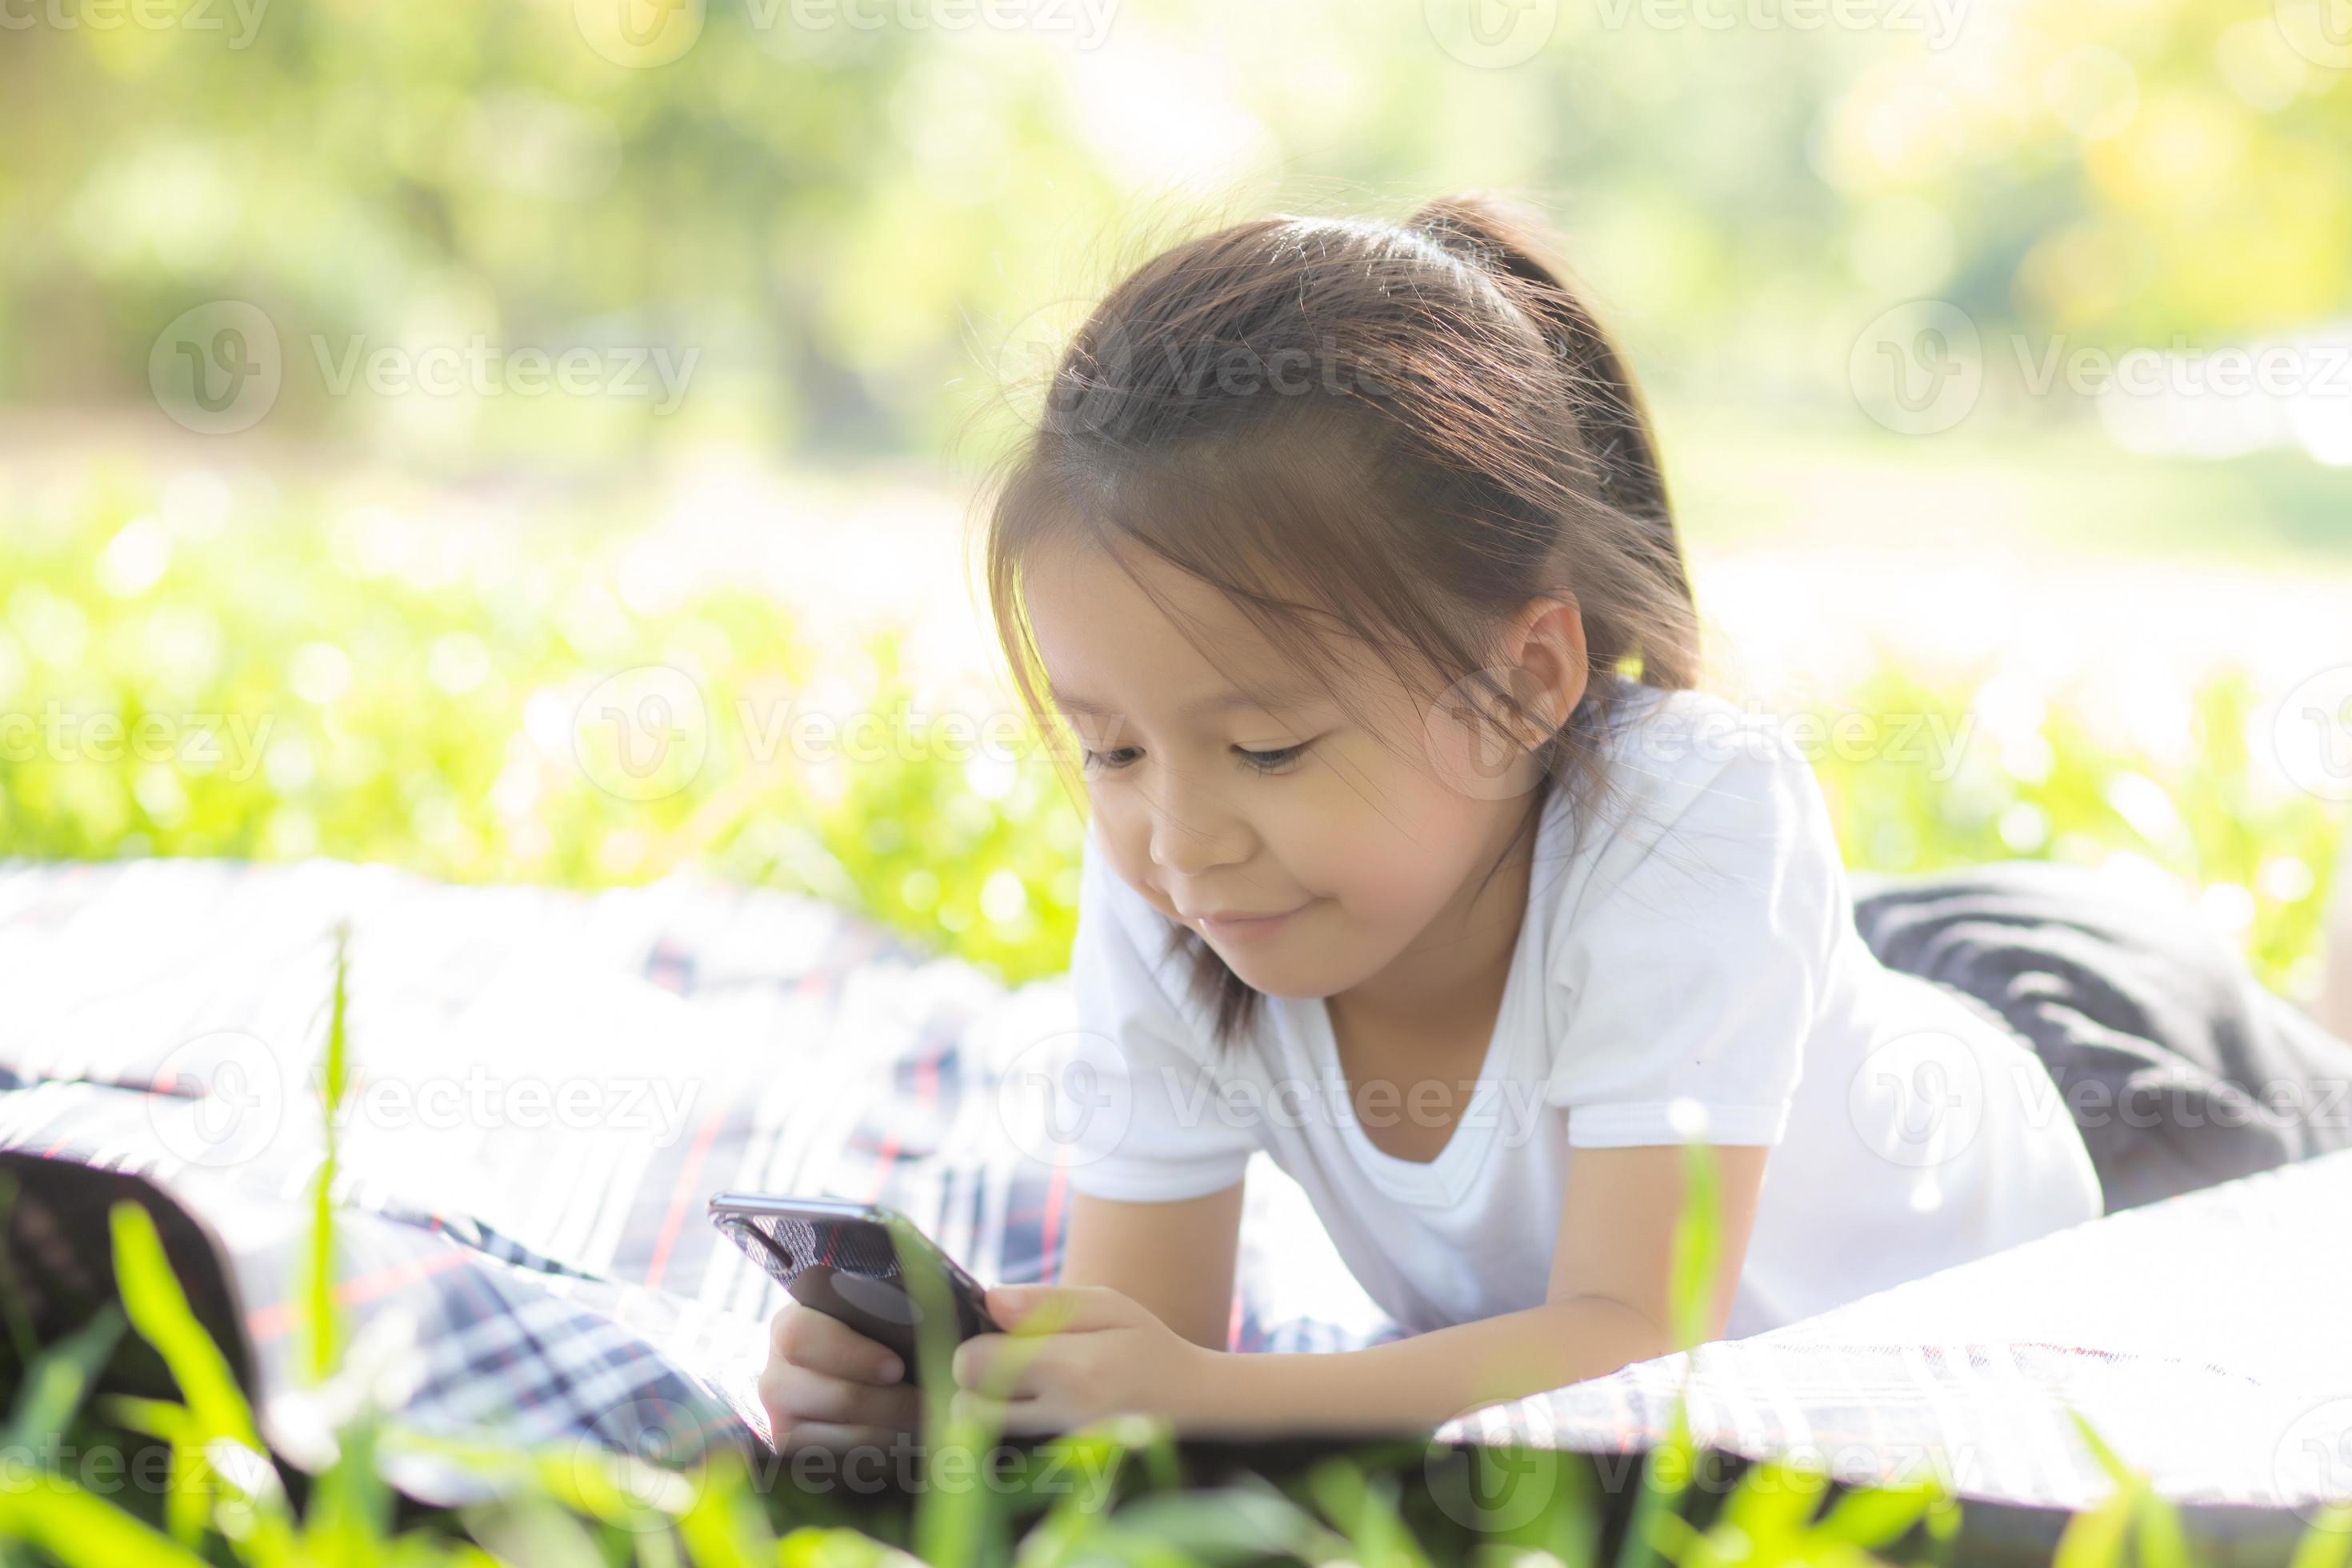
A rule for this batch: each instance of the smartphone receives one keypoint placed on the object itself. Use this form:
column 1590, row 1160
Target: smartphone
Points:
column 850, row 1261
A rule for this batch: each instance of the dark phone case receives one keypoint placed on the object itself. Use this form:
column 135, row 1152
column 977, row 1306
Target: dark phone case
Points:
column 842, row 1260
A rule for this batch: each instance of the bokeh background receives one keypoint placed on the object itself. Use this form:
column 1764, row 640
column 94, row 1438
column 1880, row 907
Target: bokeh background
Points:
column 535, row 440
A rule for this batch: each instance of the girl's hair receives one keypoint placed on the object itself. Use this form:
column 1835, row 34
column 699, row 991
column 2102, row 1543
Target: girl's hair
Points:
column 1398, row 432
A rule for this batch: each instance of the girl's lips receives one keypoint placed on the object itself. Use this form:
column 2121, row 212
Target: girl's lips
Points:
column 1252, row 930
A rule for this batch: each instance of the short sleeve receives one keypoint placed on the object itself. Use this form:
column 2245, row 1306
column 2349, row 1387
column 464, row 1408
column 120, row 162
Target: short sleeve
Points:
column 1164, row 1132
column 1701, row 953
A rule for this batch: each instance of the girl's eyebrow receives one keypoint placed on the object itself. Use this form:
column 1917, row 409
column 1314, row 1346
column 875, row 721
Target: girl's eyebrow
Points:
column 1273, row 701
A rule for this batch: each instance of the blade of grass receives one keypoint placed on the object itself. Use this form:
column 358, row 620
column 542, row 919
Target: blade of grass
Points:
column 1772, row 1506
column 958, row 1517
column 2134, row 1505
column 351, row 1506
column 1101, row 1449
column 2163, row 1543
column 531, row 1527
column 1572, row 1532
column 722, row 1529
column 156, row 1417
column 1698, row 1245
column 2094, row 1537
column 158, row 1309
column 58, row 1379
column 1220, row 1525
column 83, row 1531
column 1363, row 1508
column 2329, row 1543
column 1873, row 1517
column 323, row 1322
column 265, row 1533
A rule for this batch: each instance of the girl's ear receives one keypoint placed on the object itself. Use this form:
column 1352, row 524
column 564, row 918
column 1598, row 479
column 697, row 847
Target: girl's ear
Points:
column 1546, row 645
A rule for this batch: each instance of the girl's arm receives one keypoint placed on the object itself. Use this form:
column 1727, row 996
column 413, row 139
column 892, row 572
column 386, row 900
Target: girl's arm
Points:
column 1174, row 1259
column 1609, row 1304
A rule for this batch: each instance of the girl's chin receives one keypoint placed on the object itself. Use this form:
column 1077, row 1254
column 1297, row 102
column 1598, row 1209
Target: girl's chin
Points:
column 1294, row 979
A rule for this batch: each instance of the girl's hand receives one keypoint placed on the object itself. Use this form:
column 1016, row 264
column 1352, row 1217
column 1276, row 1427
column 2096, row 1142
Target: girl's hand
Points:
column 1107, row 1355
column 828, row 1386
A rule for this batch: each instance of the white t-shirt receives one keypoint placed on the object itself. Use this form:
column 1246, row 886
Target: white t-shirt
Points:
column 1701, row 948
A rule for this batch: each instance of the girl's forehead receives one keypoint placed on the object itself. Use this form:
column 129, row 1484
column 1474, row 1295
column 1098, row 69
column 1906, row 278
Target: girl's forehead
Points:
column 1106, row 642
column 1094, row 623
column 1082, row 590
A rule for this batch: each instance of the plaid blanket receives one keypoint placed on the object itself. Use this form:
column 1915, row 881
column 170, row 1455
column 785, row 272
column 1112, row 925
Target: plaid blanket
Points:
column 2203, row 1337
column 547, row 1087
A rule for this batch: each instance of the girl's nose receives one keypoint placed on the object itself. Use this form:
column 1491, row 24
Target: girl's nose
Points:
column 1193, row 831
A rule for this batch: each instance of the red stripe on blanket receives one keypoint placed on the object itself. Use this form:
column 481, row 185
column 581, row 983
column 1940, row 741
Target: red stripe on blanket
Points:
column 681, row 1193
column 268, row 1322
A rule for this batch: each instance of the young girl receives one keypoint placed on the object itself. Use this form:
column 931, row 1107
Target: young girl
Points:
column 1416, row 861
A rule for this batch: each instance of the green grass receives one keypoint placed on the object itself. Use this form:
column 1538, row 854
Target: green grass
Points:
column 437, row 721
column 280, row 691
column 227, row 1503
column 445, row 717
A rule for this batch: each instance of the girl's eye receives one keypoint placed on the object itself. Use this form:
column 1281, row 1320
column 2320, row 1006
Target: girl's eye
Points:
column 1271, row 761
column 1256, row 762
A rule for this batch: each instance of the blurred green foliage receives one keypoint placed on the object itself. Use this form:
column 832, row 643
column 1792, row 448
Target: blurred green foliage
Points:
column 850, row 230
column 857, row 230
column 277, row 691
column 848, row 221
column 174, row 686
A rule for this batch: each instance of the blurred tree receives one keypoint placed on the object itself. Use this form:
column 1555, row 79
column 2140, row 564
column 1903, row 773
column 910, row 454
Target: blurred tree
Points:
column 845, row 206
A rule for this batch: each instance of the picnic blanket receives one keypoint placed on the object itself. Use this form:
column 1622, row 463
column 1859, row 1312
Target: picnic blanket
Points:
column 2203, row 1337
column 547, row 1089
column 548, row 1086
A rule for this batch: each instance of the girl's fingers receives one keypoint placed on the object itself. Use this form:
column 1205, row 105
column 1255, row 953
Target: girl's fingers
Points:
column 1003, row 1366
column 1076, row 1308
column 799, row 1393
column 806, row 1337
column 1007, row 1417
column 1005, row 1378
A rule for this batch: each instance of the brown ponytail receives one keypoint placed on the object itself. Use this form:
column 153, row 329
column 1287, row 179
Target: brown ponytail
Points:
column 1508, row 240
column 1467, row 439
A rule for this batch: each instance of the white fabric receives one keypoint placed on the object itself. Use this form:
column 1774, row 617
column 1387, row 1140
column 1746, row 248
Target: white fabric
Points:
column 1701, row 948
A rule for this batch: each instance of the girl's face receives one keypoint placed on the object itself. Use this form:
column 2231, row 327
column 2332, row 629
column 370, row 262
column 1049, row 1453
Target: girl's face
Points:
column 1362, row 838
